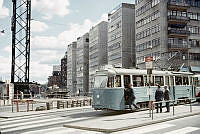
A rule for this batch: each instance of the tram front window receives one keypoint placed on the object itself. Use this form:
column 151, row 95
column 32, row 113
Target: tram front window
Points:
column 100, row 81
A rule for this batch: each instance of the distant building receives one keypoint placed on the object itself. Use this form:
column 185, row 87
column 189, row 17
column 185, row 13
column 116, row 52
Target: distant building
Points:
column 55, row 79
column 169, row 31
column 64, row 71
column 71, row 68
column 82, row 64
column 98, row 55
column 121, row 36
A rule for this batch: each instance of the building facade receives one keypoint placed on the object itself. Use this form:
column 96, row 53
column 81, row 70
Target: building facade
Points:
column 64, row 71
column 121, row 36
column 97, row 49
column 168, row 31
column 55, row 79
column 71, row 68
column 82, row 64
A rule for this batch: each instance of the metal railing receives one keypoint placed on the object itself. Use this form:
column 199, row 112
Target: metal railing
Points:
column 178, row 4
column 174, row 17
column 151, row 108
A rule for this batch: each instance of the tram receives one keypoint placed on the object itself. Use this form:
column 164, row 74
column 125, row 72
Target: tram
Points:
column 108, row 91
column 197, row 84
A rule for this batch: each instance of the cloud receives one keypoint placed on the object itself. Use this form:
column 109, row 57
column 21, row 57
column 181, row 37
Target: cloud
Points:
column 50, row 49
column 50, row 8
column 40, row 72
column 47, row 51
column 37, row 26
column 4, row 12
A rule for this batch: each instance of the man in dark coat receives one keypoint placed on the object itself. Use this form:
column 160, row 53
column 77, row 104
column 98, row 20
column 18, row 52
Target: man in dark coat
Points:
column 130, row 97
column 158, row 97
column 166, row 98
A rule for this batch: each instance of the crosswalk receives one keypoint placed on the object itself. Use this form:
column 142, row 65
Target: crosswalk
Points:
column 41, row 124
column 53, row 124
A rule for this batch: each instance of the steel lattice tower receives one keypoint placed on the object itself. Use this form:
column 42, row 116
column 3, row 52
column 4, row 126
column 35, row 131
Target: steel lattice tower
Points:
column 21, row 41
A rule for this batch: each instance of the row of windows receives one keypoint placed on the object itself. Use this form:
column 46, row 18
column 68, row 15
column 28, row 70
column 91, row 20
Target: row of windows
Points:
column 195, row 56
column 148, row 19
column 114, row 46
column 114, row 36
column 138, row 1
column 194, row 29
column 94, row 55
column 148, row 32
column 177, row 13
column 115, row 56
column 115, row 16
column 92, row 48
column 194, row 3
column 191, row 15
column 155, row 56
column 148, row 44
column 177, row 41
column 194, row 43
column 147, row 7
column 115, row 26
column 190, row 29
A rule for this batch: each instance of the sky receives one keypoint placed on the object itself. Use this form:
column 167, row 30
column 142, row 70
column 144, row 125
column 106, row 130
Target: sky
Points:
column 54, row 25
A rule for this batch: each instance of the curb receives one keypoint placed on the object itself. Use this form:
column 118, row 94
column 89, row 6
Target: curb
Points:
column 133, row 126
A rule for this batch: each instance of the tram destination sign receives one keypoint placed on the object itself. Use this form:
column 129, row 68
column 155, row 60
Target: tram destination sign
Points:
column 149, row 62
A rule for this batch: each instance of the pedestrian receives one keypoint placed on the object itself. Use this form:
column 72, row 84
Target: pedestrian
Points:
column 22, row 95
column 130, row 97
column 166, row 98
column 159, row 97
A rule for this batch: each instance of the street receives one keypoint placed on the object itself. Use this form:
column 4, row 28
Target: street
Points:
column 51, row 123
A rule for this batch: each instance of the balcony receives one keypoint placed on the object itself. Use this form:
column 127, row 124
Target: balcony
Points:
column 175, row 47
column 172, row 19
column 178, row 33
column 178, row 5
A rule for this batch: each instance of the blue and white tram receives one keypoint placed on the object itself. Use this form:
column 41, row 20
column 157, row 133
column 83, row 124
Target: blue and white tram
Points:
column 108, row 91
column 197, row 84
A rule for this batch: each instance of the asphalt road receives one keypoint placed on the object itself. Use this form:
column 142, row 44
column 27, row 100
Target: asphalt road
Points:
column 52, row 123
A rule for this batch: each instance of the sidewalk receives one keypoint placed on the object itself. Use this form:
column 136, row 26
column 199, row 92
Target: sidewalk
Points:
column 118, row 122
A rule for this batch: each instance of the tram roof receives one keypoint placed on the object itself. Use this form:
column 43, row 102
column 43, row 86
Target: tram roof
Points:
column 123, row 71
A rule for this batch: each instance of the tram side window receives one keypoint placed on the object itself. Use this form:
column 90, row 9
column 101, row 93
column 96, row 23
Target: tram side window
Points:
column 166, row 80
column 110, row 82
column 178, row 80
column 172, row 80
column 185, row 81
column 127, row 80
column 138, row 81
column 159, row 80
column 118, row 81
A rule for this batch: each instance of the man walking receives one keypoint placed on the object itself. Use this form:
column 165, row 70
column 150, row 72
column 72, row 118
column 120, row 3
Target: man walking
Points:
column 130, row 97
column 158, row 97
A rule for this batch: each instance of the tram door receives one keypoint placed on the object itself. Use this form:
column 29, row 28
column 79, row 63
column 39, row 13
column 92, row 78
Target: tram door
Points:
column 127, row 80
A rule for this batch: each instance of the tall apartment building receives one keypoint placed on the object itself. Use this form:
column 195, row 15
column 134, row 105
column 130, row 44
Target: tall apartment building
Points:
column 169, row 31
column 71, row 67
column 121, row 36
column 97, row 49
column 64, row 71
column 82, row 64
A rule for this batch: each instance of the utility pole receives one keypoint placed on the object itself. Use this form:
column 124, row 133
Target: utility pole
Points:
column 21, row 44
